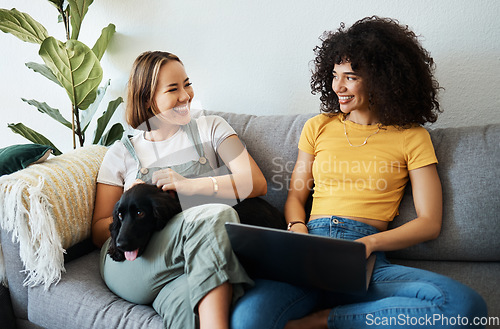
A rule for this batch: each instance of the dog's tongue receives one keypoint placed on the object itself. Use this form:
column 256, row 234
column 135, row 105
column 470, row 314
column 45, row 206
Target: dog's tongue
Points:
column 131, row 255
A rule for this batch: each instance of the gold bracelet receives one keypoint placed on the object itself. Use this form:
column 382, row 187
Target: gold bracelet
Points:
column 216, row 186
column 289, row 227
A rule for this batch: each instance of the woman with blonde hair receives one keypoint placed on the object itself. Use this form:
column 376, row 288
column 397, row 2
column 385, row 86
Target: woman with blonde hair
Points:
column 188, row 271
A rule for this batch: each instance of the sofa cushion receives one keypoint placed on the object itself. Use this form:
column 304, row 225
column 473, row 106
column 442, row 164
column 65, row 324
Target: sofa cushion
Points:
column 17, row 157
column 82, row 300
column 48, row 208
column 469, row 162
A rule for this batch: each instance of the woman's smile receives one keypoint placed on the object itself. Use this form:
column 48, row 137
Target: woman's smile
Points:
column 181, row 109
column 345, row 99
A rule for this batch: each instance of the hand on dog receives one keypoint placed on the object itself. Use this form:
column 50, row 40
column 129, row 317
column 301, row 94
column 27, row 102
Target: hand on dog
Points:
column 168, row 179
column 137, row 181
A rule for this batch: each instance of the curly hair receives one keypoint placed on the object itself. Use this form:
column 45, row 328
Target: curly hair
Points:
column 397, row 71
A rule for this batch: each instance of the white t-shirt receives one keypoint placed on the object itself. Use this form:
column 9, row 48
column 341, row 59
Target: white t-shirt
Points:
column 119, row 168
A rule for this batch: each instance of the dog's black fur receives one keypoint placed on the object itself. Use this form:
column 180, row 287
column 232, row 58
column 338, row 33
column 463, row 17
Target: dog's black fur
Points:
column 259, row 212
column 141, row 211
column 145, row 209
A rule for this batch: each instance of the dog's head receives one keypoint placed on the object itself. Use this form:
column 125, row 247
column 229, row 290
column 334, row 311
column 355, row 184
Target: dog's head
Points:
column 141, row 211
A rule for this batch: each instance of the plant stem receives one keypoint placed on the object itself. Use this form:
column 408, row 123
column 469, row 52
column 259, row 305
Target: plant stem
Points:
column 75, row 130
column 73, row 125
column 66, row 24
column 78, row 131
column 65, row 19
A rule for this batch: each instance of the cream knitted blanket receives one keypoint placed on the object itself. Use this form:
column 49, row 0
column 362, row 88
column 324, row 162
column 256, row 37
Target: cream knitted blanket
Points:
column 48, row 208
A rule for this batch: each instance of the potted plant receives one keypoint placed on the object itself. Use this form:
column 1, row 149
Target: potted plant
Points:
column 71, row 65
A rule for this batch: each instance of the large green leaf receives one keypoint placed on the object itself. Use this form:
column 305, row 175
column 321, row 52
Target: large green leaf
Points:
column 52, row 112
column 103, row 121
column 77, row 11
column 57, row 3
column 103, row 41
column 43, row 70
column 88, row 114
column 114, row 134
column 32, row 136
column 76, row 67
column 22, row 26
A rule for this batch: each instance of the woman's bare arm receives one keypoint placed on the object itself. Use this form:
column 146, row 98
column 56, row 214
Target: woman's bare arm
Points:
column 247, row 177
column 300, row 187
column 427, row 197
column 105, row 200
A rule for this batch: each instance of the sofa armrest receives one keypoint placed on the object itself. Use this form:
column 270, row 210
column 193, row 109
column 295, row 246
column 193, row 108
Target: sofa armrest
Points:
column 48, row 208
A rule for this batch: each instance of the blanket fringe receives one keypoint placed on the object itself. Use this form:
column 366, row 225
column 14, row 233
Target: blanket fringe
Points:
column 31, row 222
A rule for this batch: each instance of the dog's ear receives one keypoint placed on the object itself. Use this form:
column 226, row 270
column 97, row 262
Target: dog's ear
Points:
column 164, row 208
column 114, row 229
column 159, row 209
column 115, row 254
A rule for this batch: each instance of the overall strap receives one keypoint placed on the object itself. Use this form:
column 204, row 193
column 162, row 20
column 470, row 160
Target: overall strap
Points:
column 194, row 136
column 128, row 145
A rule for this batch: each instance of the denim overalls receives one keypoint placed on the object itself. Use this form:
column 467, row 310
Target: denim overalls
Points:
column 188, row 169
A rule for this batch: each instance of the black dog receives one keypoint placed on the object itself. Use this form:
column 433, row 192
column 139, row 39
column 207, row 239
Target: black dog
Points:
column 145, row 209
column 141, row 211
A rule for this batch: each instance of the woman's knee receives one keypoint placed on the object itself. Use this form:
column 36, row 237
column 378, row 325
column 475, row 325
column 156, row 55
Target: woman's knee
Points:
column 173, row 304
column 464, row 301
column 450, row 297
column 457, row 299
column 213, row 212
column 271, row 304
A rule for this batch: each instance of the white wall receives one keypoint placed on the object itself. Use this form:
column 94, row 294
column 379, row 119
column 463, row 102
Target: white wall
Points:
column 254, row 56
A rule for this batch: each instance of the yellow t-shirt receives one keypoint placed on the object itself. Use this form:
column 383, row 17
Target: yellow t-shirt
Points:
column 366, row 181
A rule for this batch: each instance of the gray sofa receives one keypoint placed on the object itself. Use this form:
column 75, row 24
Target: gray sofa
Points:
column 467, row 250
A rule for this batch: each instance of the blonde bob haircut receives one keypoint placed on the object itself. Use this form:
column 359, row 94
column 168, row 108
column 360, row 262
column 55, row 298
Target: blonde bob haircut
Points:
column 142, row 84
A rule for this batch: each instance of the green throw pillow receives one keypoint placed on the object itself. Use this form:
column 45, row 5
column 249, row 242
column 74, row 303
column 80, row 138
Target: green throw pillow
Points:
column 17, row 157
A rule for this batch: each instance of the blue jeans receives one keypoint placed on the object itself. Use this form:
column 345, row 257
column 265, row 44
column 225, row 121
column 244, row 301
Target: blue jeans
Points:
column 398, row 296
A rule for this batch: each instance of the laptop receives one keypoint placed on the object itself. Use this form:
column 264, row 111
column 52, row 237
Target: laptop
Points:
column 307, row 260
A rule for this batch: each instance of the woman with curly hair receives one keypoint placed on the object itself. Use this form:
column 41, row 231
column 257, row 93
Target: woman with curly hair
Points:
column 377, row 89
